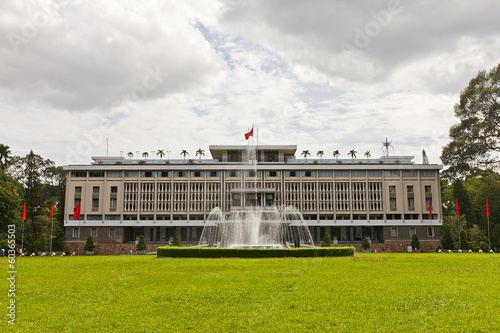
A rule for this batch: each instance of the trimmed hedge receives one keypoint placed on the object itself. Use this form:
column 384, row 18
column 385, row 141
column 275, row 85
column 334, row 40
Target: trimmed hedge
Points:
column 214, row 252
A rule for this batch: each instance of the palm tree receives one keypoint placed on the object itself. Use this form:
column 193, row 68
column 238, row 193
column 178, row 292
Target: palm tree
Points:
column 352, row 153
column 320, row 153
column 160, row 153
column 145, row 154
column 306, row 153
column 367, row 154
column 4, row 157
column 200, row 152
column 184, row 152
column 130, row 154
column 336, row 154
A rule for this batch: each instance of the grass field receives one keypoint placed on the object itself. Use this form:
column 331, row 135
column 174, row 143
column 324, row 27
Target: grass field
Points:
column 368, row 292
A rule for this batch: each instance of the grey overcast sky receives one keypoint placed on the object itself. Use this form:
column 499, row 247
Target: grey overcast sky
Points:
column 173, row 75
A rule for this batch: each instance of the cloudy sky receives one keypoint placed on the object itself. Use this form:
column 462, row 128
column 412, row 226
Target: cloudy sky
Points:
column 174, row 75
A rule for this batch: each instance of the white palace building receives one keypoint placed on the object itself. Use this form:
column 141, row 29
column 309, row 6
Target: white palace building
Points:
column 387, row 199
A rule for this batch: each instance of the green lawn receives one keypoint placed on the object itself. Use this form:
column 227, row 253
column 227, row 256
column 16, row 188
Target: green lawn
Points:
column 368, row 292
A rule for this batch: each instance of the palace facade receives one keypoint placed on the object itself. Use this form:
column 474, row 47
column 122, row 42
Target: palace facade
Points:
column 387, row 199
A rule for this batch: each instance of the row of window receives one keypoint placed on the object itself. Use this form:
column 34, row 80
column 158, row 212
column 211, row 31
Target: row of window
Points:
column 338, row 173
column 411, row 231
column 93, row 232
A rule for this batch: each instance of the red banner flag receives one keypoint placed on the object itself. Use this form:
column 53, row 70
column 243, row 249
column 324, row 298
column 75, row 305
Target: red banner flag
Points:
column 249, row 134
column 487, row 208
column 430, row 209
column 456, row 205
column 51, row 210
column 76, row 212
column 24, row 211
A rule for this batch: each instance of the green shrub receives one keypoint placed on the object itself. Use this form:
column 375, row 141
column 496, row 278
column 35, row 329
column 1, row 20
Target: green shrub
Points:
column 366, row 243
column 415, row 242
column 464, row 242
column 89, row 246
column 42, row 243
column 327, row 241
column 141, row 245
column 215, row 252
column 176, row 241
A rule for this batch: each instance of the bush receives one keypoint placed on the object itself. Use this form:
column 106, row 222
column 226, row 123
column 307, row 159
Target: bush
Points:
column 176, row 241
column 215, row 252
column 415, row 242
column 366, row 243
column 327, row 241
column 42, row 243
column 141, row 246
column 89, row 246
column 464, row 242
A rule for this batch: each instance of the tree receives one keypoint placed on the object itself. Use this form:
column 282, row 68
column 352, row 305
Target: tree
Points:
column 141, row 245
column 200, row 152
column 89, row 245
column 145, row 154
column 464, row 203
column 320, row 153
column 327, row 241
column 367, row 154
column 184, row 152
column 160, row 153
column 130, row 155
column 5, row 158
column 366, row 243
column 352, row 153
column 415, row 242
column 175, row 240
column 464, row 241
column 10, row 207
column 447, row 238
column 305, row 153
column 42, row 243
column 475, row 141
column 336, row 154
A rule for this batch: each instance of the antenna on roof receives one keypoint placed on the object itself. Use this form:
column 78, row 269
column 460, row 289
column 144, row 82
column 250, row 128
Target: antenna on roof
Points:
column 424, row 157
column 385, row 147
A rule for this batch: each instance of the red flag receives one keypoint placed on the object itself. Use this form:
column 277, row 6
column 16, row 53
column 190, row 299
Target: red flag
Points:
column 24, row 211
column 51, row 210
column 487, row 208
column 430, row 209
column 249, row 134
column 456, row 205
column 76, row 212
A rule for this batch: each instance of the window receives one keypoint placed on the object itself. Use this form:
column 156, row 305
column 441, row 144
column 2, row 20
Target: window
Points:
column 78, row 189
column 392, row 203
column 94, row 217
column 358, row 173
column 292, row 173
column 252, row 174
column 197, row 174
column 428, row 189
column 114, row 174
column 392, row 189
column 428, row 202
column 391, row 173
column 79, row 174
column 215, row 173
column 147, row 174
column 430, row 231
column 114, row 189
column 412, row 231
column 325, row 173
column 95, row 189
column 77, row 202
column 410, row 173
column 411, row 203
column 180, row 174
column 374, row 173
column 112, row 217
column 75, row 232
column 409, row 189
column 394, row 232
column 341, row 173
column 131, row 173
column 112, row 232
column 308, row 173
column 427, row 173
column 163, row 174
column 112, row 203
column 273, row 173
column 96, row 173
column 95, row 204
column 94, row 232
column 233, row 174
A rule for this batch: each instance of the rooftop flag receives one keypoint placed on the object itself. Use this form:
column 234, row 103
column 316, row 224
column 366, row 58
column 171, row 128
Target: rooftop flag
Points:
column 249, row 134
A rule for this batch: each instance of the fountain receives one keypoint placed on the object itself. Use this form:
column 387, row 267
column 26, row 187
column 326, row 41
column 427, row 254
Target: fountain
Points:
column 254, row 221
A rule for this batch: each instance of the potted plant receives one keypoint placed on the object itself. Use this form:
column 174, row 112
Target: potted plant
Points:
column 141, row 246
column 89, row 246
column 366, row 245
column 67, row 251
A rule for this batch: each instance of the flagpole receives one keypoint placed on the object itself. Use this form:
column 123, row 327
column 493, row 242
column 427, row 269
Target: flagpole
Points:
column 489, row 238
column 458, row 232
column 51, row 231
